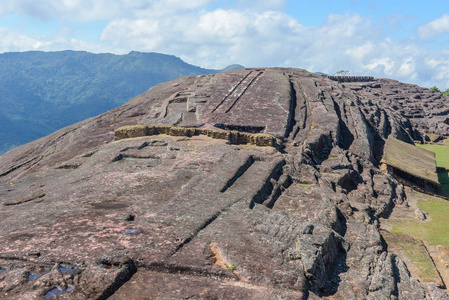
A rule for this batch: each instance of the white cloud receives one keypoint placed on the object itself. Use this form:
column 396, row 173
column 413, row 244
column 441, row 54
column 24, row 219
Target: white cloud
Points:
column 221, row 37
column 395, row 20
column 435, row 27
column 407, row 69
column 14, row 41
column 261, row 4
column 88, row 10
column 256, row 34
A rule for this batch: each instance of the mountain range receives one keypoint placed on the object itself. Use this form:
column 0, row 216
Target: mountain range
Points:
column 41, row 92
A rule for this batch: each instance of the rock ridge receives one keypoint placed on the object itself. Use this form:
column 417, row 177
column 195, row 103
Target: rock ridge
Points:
column 105, row 210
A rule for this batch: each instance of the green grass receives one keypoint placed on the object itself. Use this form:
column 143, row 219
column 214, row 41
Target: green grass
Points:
column 443, row 177
column 441, row 153
column 332, row 157
column 442, row 159
column 434, row 232
column 415, row 251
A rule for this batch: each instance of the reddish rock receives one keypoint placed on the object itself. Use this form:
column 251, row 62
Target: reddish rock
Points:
column 175, row 214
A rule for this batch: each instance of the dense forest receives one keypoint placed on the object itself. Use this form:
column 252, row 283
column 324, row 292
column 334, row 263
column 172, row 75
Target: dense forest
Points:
column 41, row 92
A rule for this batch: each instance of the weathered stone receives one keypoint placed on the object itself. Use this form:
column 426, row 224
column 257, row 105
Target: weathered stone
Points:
column 420, row 215
column 249, row 184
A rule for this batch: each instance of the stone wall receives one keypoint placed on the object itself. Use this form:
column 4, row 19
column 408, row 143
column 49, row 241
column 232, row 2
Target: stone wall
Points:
column 351, row 78
column 234, row 137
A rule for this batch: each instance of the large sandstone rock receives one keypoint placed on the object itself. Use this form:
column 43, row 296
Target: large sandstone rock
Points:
column 249, row 184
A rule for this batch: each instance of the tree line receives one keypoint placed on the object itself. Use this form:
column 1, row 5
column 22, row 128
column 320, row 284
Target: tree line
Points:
column 435, row 89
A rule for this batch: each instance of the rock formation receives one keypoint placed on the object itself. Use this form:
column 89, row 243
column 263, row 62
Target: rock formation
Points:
column 184, row 203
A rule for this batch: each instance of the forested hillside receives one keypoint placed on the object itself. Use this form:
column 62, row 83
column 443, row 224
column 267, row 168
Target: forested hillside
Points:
column 41, row 92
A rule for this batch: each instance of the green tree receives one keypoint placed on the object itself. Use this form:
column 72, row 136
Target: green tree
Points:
column 343, row 73
column 435, row 89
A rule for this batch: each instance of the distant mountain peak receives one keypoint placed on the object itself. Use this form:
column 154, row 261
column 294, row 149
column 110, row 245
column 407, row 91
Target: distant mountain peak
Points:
column 232, row 67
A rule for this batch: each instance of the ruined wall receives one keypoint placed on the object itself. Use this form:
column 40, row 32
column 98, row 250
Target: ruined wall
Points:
column 234, row 137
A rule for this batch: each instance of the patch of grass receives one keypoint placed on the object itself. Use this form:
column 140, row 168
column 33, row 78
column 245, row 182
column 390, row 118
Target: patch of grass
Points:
column 446, row 142
column 442, row 159
column 434, row 232
column 415, row 251
column 332, row 157
column 441, row 154
column 231, row 267
column 444, row 190
column 443, row 177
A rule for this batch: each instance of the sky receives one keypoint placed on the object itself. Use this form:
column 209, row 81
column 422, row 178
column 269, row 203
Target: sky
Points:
column 403, row 40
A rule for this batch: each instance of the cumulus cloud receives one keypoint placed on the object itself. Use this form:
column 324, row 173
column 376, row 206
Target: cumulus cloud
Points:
column 435, row 27
column 257, row 38
column 15, row 41
column 253, row 33
column 220, row 37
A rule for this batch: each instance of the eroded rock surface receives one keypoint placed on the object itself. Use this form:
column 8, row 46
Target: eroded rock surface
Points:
column 180, row 216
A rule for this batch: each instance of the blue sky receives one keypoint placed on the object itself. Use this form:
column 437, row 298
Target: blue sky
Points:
column 403, row 40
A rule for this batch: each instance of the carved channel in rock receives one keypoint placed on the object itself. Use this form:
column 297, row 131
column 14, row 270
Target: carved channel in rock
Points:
column 269, row 186
column 124, row 276
column 68, row 167
column 243, row 92
column 232, row 91
column 109, row 205
column 203, row 226
column 249, row 162
column 133, row 157
column 37, row 195
column 291, row 120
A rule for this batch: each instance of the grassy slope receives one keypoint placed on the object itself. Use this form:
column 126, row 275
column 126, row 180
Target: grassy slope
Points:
column 436, row 231
column 415, row 251
column 442, row 158
column 441, row 152
column 407, row 235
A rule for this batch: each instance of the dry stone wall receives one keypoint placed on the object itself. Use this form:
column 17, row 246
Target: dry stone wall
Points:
column 234, row 137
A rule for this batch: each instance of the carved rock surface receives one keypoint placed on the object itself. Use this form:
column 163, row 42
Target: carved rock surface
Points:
column 185, row 215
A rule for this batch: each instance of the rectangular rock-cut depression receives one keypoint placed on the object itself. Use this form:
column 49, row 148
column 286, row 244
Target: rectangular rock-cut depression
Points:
column 256, row 98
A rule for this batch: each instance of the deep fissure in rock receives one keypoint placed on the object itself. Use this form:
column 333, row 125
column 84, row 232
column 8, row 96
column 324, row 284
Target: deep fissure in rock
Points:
column 291, row 121
column 123, row 277
column 264, row 193
column 204, row 225
column 249, row 162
